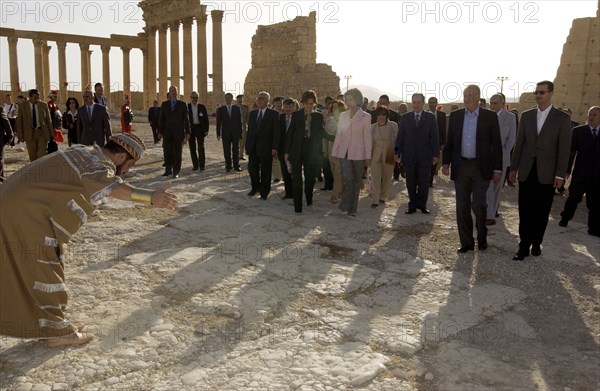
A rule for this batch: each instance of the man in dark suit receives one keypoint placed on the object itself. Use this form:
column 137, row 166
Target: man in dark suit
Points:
column 304, row 148
column 262, row 143
column 541, row 157
column 153, row 117
column 585, row 178
column 174, row 128
column 417, row 147
column 6, row 136
column 285, row 120
column 229, row 129
column 93, row 122
column 440, row 118
column 199, row 125
column 474, row 151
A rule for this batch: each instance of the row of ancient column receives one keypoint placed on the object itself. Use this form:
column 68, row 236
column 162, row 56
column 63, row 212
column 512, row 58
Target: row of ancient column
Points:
column 42, row 64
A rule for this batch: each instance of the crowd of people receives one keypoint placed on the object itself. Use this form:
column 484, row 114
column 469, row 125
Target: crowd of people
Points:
column 298, row 142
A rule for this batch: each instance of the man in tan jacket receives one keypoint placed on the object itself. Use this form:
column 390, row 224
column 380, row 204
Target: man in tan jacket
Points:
column 34, row 125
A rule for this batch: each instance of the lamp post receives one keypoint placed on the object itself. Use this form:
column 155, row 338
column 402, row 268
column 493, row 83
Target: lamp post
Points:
column 347, row 77
column 502, row 78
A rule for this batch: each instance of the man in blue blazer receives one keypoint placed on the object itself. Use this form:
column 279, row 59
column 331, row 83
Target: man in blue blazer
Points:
column 262, row 142
column 417, row 147
column 229, row 130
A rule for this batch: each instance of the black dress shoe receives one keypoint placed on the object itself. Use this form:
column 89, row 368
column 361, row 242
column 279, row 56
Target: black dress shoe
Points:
column 374, row 206
column 465, row 249
column 286, row 198
column 536, row 251
column 410, row 211
column 593, row 233
column 228, row 169
column 482, row 246
column 563, row 222
column 425, row 210
column 252, row 193
column 242, row 158
column 520, row 255
column 237, row 169
column 195, row 169
column 167, row 173
column 175, row 176
column 264, row 198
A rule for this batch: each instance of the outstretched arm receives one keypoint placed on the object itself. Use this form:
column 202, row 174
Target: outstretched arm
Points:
column 159, row 198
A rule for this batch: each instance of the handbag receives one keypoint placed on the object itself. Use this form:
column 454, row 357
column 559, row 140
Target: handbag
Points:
column 389, row 156
column 52, row 147
column 370, row 184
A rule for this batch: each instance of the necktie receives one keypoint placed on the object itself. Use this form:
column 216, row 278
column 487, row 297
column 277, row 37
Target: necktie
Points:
column 259, row 119
column 418, row 117
column 595, row 132
column 287, row 122
column 229, row 109
column 90, row 112
column 34, row 120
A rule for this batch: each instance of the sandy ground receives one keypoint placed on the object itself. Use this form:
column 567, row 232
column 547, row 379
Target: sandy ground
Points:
column 234, row 293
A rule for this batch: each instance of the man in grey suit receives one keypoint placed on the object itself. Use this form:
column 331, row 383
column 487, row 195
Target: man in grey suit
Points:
column 541, row 158
column 473, row 150
column 508, row 133
column 93, row 122
column 418, row 147
column 174, row 127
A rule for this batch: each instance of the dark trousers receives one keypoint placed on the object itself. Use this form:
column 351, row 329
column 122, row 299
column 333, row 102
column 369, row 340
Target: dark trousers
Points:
column 260, row 169
column 327, row 174
column 1, row 160
column 535, row 203
column 287, row 177
column 469, row 183
column 197, row 147
column 310, row 173
column 172, row 148
column 576, row 190
column 231, row 145
column 417, row 184
column 155, row 133
column 399, row 171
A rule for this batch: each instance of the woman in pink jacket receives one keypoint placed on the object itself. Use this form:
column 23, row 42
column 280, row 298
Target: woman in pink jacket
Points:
column 353, row 147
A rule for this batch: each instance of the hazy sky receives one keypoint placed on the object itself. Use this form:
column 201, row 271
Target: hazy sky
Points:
column 399, row 47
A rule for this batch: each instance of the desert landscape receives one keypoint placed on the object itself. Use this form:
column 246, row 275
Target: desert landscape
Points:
column 234, row 293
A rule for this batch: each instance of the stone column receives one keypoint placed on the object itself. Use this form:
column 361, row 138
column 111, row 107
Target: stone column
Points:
column 126, row 71
column 106, row 72
column 202, row 66
column 39, row 65
column 46, row 64
column 217, row 18
column 85, row 56
column 62, row 70
column 90, row 68
column 162, row 63
column 151, row 60
column 145, row 78
column 174, row 30
column 188, row 65
column 13, row 60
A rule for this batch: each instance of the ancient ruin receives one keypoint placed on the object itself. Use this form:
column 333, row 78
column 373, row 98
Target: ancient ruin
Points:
column 284, row 61
column 577, row 83
column 159, row 19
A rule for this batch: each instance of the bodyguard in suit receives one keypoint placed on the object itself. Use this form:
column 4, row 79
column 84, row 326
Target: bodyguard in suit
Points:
column 508, row 134
column 541, row 158
column 93, row 122
column 262, row 143
column 304, row 148
column 153, row 117
column 285, row 120
column 34, row 125
column 473, row 151
column 417, row 147
column 585, row 178
column 174, row 127
column 199, row 125
column 229, row 129
column 440, row 118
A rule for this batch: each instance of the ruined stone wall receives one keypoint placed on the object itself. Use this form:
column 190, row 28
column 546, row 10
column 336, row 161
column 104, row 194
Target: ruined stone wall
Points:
column 284, row 61
column 577, row 82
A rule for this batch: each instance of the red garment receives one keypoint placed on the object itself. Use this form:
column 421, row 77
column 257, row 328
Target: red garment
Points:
column 126, row 118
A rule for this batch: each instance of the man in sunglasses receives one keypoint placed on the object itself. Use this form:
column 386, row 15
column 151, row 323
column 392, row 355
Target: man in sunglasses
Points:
column 541, row 158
